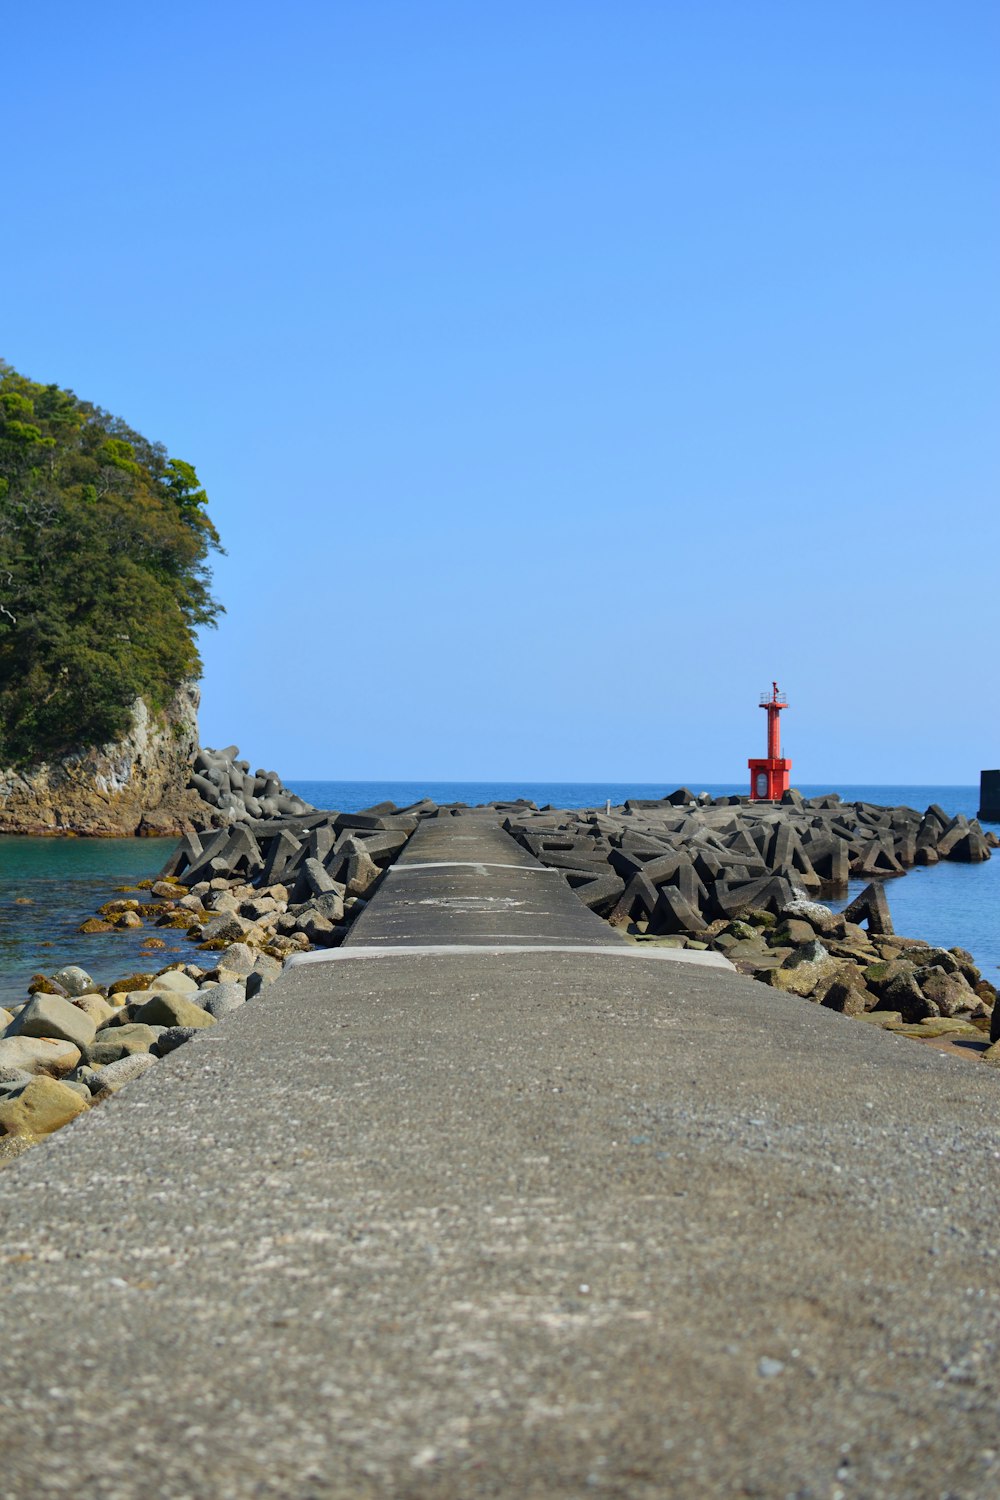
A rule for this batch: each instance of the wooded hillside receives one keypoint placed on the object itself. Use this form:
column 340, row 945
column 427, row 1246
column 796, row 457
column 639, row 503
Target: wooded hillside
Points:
column 104, row 541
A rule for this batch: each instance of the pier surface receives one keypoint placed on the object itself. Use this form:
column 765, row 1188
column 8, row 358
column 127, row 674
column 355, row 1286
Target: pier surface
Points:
column 492, row 1202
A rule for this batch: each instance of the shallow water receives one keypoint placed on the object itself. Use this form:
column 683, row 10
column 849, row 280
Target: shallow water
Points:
column 49, row 886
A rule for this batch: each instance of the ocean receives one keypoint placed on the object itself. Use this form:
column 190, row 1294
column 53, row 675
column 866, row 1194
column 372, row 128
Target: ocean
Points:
column 49, row 886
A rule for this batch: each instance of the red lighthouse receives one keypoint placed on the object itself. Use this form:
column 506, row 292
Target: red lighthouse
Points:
column 769, row 778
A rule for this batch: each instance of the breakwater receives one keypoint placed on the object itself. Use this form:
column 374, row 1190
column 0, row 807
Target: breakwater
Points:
column 685, row 872
column 479, row 1210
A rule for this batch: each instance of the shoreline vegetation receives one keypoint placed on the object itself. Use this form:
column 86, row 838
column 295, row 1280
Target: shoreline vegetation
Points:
column 746, row 880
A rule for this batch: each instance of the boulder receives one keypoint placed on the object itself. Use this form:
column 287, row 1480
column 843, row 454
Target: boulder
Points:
column 172, row 1037
column 173, row 982
column 362, row 871
column 803, row 972
column 228, row 927
column 133, row 982
column 38, row 1054
column 42, row 1106
column 219, row 999
column 75, row 981
column 96, row 1007
column 113, row 1042
column 114, row 1076
column 904, row 994
column 819, row 917
column 265, row 971
column 52, row 1016
column 41, row 984
column 846, row 992
column 171, row 1010
column 949, row 992
column 238, row 960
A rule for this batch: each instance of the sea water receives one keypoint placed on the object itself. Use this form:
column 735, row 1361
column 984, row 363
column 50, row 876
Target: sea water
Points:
column 49, row 886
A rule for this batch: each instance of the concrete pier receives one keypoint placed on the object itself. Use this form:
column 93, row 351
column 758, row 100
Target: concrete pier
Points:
column 492, row 1202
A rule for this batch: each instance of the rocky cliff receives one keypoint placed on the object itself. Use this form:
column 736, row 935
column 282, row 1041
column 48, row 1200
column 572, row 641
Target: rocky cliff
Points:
column 136, row 785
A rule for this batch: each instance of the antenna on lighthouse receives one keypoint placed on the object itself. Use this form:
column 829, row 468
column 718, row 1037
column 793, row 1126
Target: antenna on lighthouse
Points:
column 769, row 776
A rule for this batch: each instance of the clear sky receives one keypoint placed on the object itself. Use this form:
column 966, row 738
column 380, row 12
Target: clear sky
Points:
column 560, row 372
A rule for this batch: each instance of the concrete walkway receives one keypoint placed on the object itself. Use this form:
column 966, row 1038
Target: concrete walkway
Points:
column 472, row 1222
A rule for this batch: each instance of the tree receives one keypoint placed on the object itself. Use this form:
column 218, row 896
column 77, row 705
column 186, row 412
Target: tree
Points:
column 104, row 577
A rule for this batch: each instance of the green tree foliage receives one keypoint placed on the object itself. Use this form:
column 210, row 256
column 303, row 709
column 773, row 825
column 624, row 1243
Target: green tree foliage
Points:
column 104, row 542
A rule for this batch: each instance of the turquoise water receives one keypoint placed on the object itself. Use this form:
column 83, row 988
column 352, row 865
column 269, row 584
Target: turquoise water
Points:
column 65, row 880
column 49, row 886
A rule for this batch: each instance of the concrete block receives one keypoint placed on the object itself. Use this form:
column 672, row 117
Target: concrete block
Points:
column 602, row 893
column 872, row 907
column 187, row 852
column 673, row 913
column 637, row 902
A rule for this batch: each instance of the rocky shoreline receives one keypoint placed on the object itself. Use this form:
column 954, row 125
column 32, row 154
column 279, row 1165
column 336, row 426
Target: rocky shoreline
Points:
column 746, row 879
column 251, row 896
column 740, row 878
column 152, row 783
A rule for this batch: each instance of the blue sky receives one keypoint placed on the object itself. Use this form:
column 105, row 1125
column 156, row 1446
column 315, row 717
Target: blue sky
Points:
column 559, row 373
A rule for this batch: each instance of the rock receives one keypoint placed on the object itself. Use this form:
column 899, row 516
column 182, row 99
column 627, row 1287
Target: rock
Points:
column 128, row 920
column 810, row 952
column 318, row 930
column 223, row 903
column 265, row 971
column 133, row 982
column 362, row 871
column 992, row 1056
column 40, row 984
column 112, row 909
column 172, row 1037
column 114, row 1076
column 904, row 994
column 74, row 981
column 93, row 925
column 114, row 1042
column 219, row 999
column 259, row 907
column 52, row 1016
column 13, row 1080
column 879, row 976
column 36, row 1054
column 228, row 927
column 949, row 992
column 802, row 980
column 819, row 917
column 5, row 1018
column 846, row 993
column 237, row 959
column 792, row 932
column 172, row 982
column 109, row 789
column 171, row 1010
column 42, row 1106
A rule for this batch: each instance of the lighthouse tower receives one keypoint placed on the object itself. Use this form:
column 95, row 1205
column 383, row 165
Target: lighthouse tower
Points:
column 769, row 778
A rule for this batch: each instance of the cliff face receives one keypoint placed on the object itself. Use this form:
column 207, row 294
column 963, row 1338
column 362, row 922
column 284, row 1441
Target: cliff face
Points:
column 136, row 785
